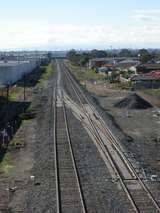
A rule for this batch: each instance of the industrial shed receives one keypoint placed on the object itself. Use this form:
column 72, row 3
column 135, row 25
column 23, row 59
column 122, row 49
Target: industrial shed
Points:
column 11, row 71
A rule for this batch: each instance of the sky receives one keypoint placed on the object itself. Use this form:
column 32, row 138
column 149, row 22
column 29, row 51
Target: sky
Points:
column 79, row 24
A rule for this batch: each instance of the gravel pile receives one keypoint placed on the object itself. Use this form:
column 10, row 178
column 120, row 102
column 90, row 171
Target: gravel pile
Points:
column 133, row 101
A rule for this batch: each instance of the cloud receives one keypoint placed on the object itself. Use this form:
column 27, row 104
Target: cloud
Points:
column 26, row 34
column 31, row 34
column 146, row 15
column 19, row 34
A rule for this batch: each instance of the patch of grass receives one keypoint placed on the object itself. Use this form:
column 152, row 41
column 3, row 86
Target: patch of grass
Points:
column 14, row 93
column 49, row 70
column 122, row 86
column 6, row 164
column 13, row 96
column 154, row 92
column 26, row 122
column 17, row 142
column 28, row 115
column 82, row 73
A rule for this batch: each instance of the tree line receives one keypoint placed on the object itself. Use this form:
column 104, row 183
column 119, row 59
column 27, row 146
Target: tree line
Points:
column 82, row 58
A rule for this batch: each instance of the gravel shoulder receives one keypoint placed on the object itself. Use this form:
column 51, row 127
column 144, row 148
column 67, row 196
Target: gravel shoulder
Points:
column 19, row 191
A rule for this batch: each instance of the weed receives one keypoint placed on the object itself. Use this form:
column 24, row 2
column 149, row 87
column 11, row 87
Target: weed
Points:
column 6, row 163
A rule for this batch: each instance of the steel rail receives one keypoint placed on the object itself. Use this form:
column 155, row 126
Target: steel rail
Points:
column 73, row 159
column 121, row 155
column 58, row 193
column 114, row 141
column 109, row 157
column 93, row 109
column 56, row 156
column 119, row 149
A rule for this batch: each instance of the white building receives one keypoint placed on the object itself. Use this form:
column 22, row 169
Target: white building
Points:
column 11, row 71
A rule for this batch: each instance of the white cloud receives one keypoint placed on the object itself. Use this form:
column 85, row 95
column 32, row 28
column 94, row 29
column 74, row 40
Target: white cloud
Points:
column 32, row 34
column 146, row 15
column 20, row 34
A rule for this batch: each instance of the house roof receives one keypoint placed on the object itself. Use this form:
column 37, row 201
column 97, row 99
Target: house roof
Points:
column 117, row 59
column 149, row 66
column 104, row 69
column 155, row 74
column 127, row 63
column 144, row 77
column 108, row 65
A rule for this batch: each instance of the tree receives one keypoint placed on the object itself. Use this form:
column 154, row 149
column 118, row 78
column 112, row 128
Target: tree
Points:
column 73, row 56
column 98, row 54
column 125, row 53
column 144, row 56
column 49, row 55
column 84, row 59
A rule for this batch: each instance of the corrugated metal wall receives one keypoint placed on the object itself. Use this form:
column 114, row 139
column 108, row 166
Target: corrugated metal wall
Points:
column 10, row 74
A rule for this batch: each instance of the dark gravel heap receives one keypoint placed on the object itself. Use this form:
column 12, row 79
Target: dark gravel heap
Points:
column 133, row 101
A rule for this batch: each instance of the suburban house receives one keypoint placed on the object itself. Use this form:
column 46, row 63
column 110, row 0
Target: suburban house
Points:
column 106, row 69
column 100, row 62
column 150, row 80
column 148, row 67
column 106, row 66
column 127, row 64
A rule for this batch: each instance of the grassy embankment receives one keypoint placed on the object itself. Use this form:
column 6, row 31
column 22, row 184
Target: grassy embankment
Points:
column 154, row 92
column 34, row 79
column 49, row 70
column 128, row 85
column 84, row 74
column 6, row 164
column 121, row 86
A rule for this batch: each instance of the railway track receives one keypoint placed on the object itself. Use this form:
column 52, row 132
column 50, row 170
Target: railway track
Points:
column 68, row 188
column 136, row 190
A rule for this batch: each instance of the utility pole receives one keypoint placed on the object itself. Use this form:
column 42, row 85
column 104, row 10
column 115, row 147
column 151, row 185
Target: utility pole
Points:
column 24, row 91
column 111, row 51
column 24, row 86
column 7, row 96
